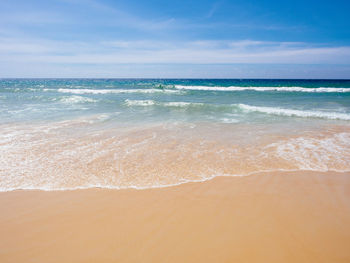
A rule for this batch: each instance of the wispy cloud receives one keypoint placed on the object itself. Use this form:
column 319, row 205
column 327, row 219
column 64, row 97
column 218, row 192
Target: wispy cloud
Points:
column 91, row 13
column 200, row 52
column 64, row 34
column 128, row 19
column 213, row 9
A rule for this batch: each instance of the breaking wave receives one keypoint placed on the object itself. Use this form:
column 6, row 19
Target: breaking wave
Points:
column 76, row 99
column 109, row 91
column 244, row 108
column 284, row 89
column 296, row 113
column 139, row 102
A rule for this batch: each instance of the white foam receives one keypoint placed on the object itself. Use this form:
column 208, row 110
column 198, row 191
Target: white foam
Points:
column 286, row 89
column 108, row 91
column 296, row 113
column 139, row 102
column 316, row 154
column 176, row 104
column 116, row 187
column 182, row 104
column 76, row 99
column 228, row 120
column 247, row 108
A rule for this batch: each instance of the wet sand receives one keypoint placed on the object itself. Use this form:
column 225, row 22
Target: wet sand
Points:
column 289, row 217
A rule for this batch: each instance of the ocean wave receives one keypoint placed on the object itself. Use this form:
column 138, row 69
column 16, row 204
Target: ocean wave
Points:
column 184, row 104
column 76, row 99
column 175, row 104
column 296, row 113
column 283, row 89
column 244, row 108
column 139, row 102
column 111, row 91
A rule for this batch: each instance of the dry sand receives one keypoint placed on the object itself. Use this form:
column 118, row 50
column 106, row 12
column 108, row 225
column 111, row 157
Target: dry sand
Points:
column 290, row 217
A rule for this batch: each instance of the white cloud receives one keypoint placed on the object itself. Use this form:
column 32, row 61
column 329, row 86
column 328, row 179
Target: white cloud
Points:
column 199, row 52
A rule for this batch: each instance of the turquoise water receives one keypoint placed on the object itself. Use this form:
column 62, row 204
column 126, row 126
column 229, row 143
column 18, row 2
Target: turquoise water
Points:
column 59, row 134
column 130, row 100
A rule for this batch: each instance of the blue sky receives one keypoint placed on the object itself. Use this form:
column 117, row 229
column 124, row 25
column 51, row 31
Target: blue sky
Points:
column 189, row 39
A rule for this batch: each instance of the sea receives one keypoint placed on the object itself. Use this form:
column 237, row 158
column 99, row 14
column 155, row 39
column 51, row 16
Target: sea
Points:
column 66, row 134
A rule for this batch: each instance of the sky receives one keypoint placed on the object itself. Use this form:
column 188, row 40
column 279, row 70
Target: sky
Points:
column 175, row 39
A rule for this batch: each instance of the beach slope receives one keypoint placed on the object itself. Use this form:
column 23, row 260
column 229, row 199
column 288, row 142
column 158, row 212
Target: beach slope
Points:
column 276, row 217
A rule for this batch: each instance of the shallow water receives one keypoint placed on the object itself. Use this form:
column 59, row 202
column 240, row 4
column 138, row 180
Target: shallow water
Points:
column 58, row 134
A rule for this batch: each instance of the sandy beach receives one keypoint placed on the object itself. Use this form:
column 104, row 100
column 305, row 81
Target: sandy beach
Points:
column 174, row 131
column 284, row 217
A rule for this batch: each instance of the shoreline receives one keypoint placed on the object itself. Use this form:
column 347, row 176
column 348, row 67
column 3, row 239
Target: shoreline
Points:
column 275, row 217
column 116, row 188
